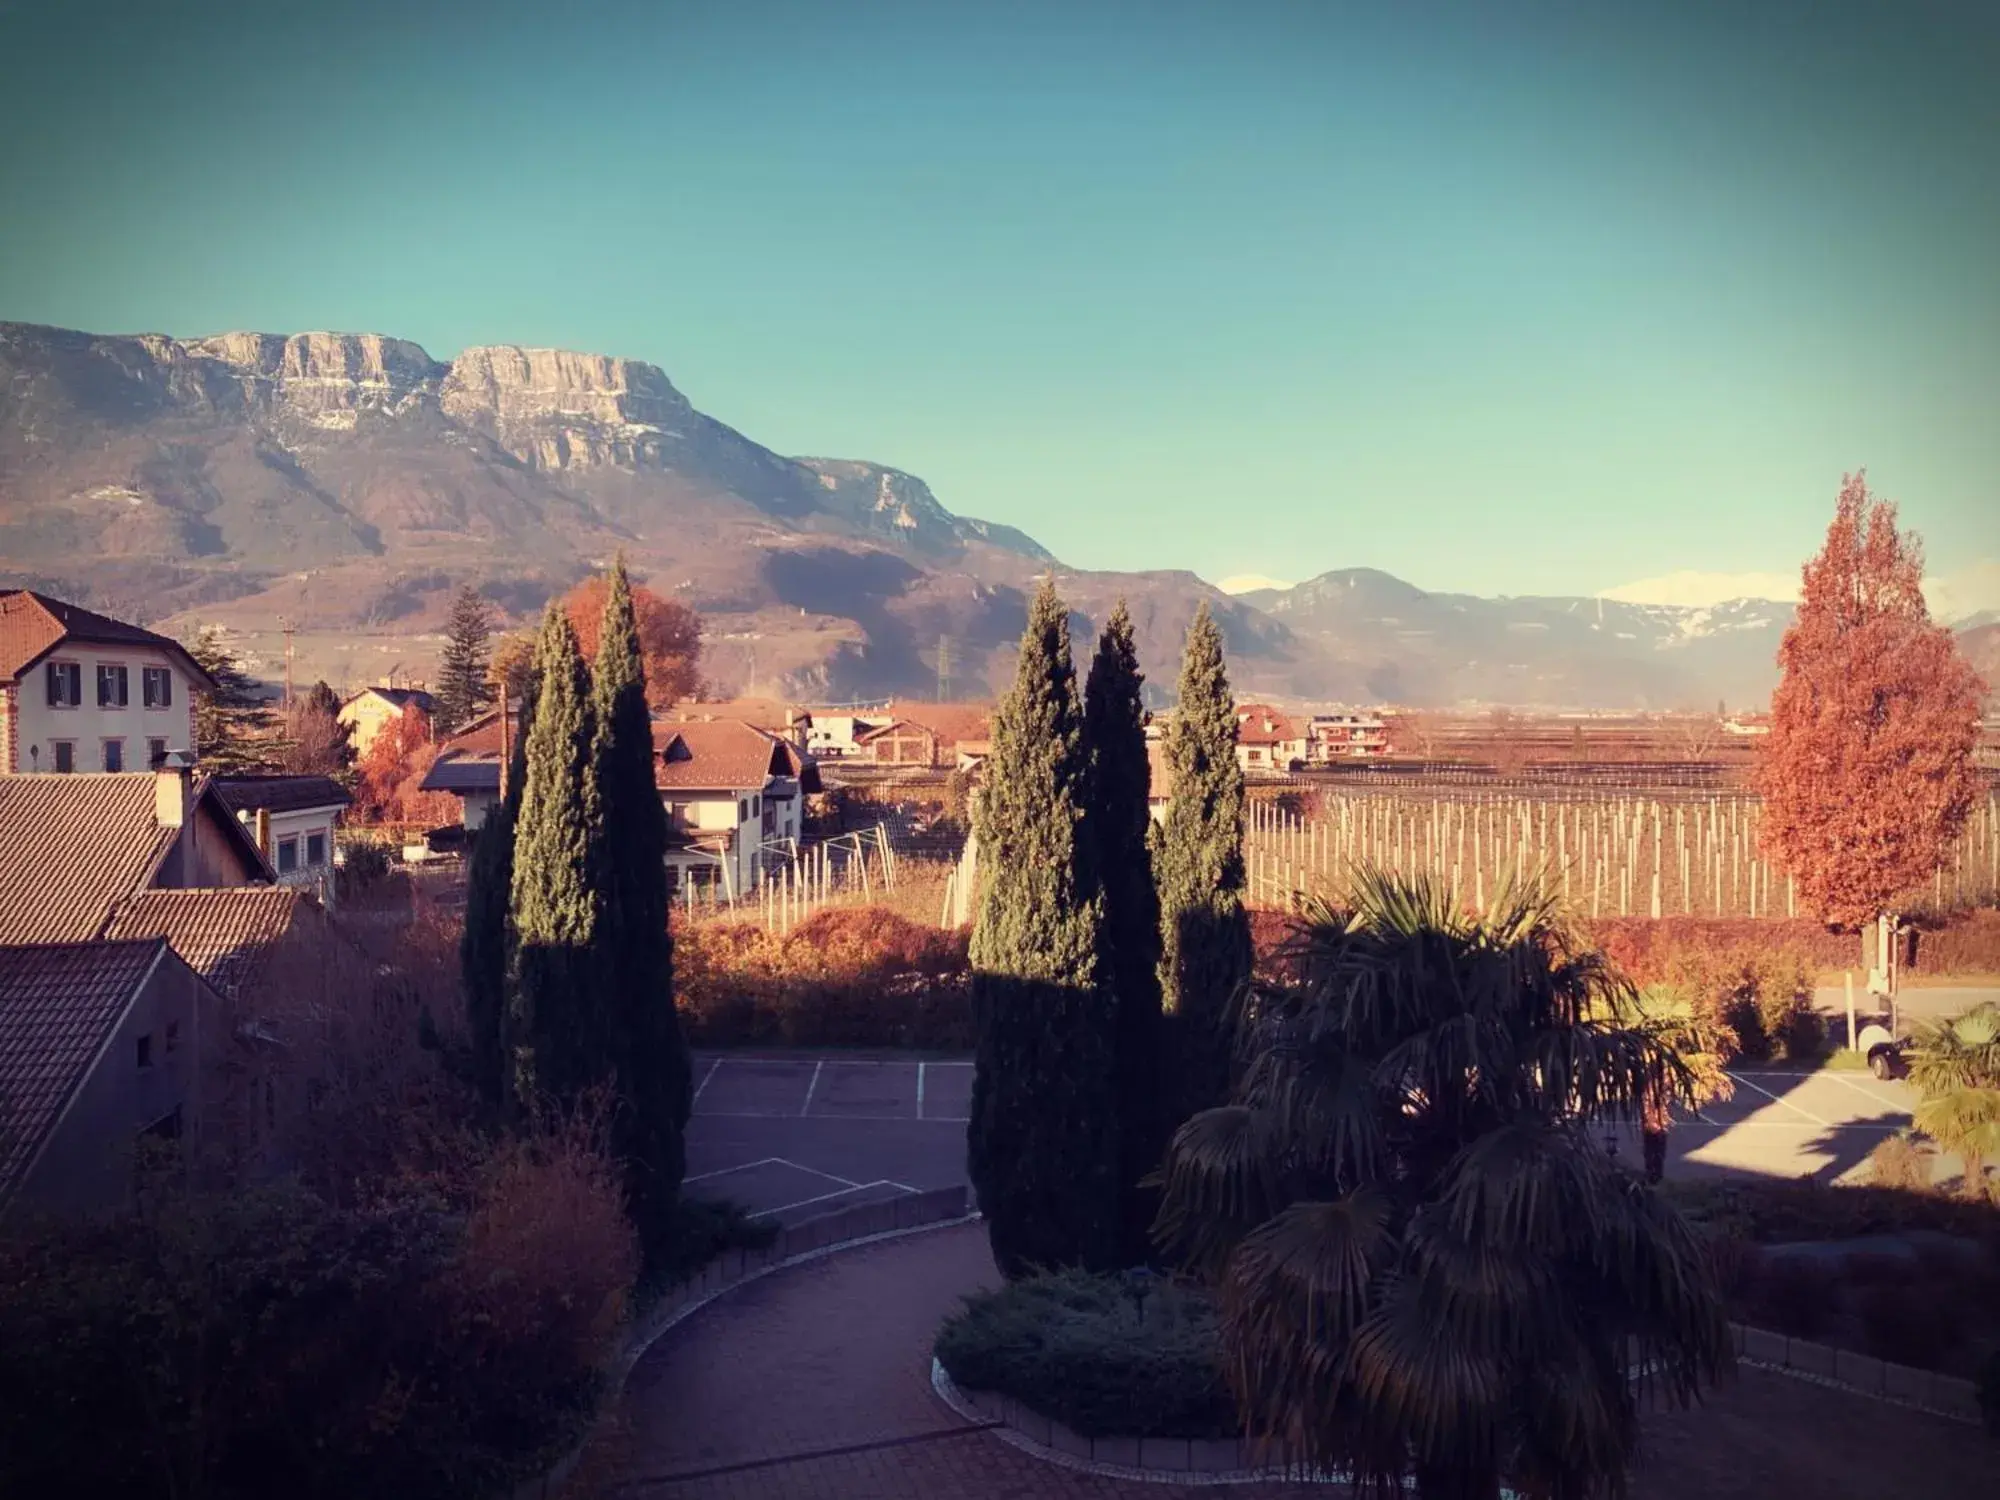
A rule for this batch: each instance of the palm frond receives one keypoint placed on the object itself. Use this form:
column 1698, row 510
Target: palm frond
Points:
column 1221, row 1180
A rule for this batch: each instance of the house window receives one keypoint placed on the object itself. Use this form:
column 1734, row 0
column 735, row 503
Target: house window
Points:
column 145, row 1046
column 756, row 805
column 65, row 684
column 288, row 856
column 173, row 1036
column 315, row 849
column 156, row 751
column 742, row 810
column 63, row 754
column 114, row 755
column 167, row 1127
column 157, row 684
column 113, row 683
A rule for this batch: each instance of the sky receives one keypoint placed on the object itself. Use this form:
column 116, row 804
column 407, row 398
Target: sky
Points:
column 1501, row 298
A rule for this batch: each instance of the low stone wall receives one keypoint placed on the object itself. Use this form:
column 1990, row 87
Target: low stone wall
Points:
column 1946, row 1395
column 1175, row 1460
column 795, row 1245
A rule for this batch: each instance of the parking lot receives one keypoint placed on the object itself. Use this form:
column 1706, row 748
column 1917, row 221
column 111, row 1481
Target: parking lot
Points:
column 793, row 1136
column 797, row 1136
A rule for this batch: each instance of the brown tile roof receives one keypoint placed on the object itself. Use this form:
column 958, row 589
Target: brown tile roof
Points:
column 725, row 755
column 241, row 794
column 950, row 722
column 70, row 847
column 759, row 713
column 479, row 735
column 228, row 936
column 58, row 1006
column 31, row 625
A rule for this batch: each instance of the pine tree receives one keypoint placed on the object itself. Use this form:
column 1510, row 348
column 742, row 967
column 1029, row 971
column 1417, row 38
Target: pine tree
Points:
column 553, row 1032
column 1868, row 774
column 463, row 688
column 236, row 731
column 1198, row 859
column 654, row 1071
column 1116, row 821
column 1042, row 1142
column 486, row 941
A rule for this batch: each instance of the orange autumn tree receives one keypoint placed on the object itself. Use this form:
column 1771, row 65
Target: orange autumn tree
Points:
column 669, row 638
column 1867, row 776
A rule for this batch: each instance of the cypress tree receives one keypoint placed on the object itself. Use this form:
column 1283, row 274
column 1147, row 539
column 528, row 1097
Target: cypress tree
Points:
column 485, row 943
column 462, row 674
column 1042, row 1144
column 654, row 1071
column 1116, row 820
column 553, row 1033
column 1198, row 858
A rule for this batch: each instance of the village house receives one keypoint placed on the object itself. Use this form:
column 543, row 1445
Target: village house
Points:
column 838, row 736
column 469, row 763
column 374, row 709
column 83, row 692
column 900, row 742
column 1267, row 740
column 734, row 795
column 1334, row 737
column 101, row 1046
column 293, row 820
column 138, row 921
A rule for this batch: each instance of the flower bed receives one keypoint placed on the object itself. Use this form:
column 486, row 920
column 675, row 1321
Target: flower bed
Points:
column 1083, row 1351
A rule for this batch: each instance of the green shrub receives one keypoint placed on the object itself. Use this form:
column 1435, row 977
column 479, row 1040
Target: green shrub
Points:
column 1775, row 1210
column 1795, row 1295
column 1908, row 1323
column 1080, row 1350
column 364, row 863
column 702, row 1229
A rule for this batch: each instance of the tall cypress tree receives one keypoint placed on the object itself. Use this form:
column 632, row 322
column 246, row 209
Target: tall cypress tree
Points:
column 485, row 943
column 654, row 1072
column 1042, row 1144
column 554, row 1029
column 1198, row 858
column 1116, row 821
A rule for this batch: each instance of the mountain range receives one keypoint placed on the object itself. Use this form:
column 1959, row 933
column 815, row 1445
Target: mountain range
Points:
column 346, row 484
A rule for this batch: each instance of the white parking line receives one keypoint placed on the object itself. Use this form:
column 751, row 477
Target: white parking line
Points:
column 810, row 1087
column 774, row 1161
column 1744, row 1078
column 854, row 1188
column 765, row 1114
column 1869, row 1094
column 713, row 1068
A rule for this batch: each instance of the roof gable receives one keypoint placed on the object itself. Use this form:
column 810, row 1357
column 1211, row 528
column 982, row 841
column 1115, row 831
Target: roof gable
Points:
column 726, row 755
column 59, row 1006
column 229, row 936
column 72, row 847
column 32, row 625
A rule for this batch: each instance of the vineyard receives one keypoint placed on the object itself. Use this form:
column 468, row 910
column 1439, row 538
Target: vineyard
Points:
column 1618, row 855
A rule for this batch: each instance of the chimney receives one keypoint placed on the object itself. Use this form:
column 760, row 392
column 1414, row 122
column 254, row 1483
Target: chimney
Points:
column 173, row 788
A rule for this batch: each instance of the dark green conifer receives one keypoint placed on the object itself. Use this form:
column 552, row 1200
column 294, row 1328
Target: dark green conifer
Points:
column 554, row 1031
column 1116, row 821
column 236, row 729
column 485, row 944
column 1198, row 861
column 1043, row 1140
column 462, row 688
column 654, row 1073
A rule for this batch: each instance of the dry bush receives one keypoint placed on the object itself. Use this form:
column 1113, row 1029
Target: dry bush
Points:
column 848, row 976
column 548, row 1257
column 1647, row 950
column 1900, row 1162
column 1762, row 996
column 1966, row 943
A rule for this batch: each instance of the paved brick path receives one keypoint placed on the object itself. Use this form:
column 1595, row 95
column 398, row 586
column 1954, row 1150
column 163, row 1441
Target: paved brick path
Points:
column 813, row 1385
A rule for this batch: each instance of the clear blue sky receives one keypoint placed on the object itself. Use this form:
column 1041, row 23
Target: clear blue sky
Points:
column 1506, row 297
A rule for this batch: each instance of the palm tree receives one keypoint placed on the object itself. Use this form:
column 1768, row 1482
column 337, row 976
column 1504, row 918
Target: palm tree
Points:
column 1955, row 1065
column 1705, row 1050
column 1427, row 1267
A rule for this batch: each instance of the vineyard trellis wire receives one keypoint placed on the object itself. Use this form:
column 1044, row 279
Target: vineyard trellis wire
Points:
column 1625, row 855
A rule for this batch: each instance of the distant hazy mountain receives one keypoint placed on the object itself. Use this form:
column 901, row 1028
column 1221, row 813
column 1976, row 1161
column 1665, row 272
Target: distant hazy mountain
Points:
column 349, row 482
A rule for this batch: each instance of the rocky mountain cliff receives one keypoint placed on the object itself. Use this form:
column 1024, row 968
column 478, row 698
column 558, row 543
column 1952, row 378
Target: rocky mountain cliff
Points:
column 347, row 483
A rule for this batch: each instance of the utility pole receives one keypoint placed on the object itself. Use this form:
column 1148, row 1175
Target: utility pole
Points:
column 288, row 629
column 944, row 669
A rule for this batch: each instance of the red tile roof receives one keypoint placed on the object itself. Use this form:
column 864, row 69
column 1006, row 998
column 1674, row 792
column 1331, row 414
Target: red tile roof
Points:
column 228, row 936
column 32, row 625
column 59, row 1004
column 950, row 722
column 1260, row 724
